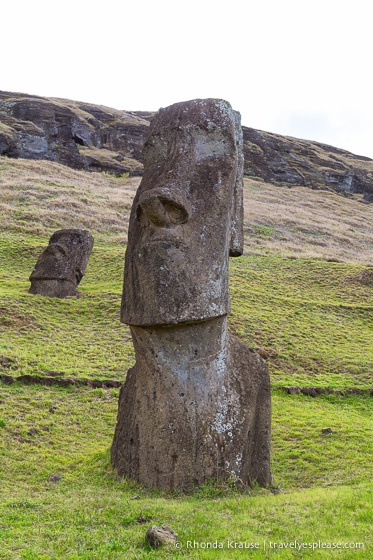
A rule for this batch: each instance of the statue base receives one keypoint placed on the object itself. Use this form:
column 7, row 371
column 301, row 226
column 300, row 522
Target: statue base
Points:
column 196, row 406
column 58, row 288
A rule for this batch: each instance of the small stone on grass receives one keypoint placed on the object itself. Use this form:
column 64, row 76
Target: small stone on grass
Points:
column 158, row 536
column 55, row 478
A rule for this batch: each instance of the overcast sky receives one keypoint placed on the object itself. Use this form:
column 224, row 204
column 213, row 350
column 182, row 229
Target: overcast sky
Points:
column 293, row 67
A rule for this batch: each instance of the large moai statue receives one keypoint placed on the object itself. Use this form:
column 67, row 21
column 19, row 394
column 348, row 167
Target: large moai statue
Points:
column 197, row 403
column 62, row 265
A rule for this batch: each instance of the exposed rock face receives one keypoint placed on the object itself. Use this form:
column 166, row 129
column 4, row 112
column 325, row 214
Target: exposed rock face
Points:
column 62, row 264
column 80, row 135
column 197, row 403
column 288, row 161
column 96, row 138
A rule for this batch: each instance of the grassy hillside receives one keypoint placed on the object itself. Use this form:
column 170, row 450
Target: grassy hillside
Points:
column 302, row 293
column 37, row 197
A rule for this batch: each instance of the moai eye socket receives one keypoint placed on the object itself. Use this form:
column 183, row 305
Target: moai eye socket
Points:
column 175, row 212
column 159, row 211
column 56, row 250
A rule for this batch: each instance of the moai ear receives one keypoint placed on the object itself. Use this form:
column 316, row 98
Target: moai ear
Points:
column 236, row 243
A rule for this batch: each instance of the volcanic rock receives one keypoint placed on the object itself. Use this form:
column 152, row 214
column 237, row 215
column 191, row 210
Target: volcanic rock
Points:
column 97, row 138
column 158, row 536
column 62, row 264
column 197, row 403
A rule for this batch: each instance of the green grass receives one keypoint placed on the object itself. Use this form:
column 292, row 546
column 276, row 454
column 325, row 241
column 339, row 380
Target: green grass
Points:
column 59, row 497
column 311, row 317
column 77, row 336
column 314, row 321
column 89, row 512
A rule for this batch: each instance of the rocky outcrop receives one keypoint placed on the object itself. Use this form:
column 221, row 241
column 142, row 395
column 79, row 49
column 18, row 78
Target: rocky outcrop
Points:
column 79, row 135
column 158, row 536
column 96, row 138
column 289, row 162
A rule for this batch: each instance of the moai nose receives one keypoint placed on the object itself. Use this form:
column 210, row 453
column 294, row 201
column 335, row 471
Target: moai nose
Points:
column 160, row 211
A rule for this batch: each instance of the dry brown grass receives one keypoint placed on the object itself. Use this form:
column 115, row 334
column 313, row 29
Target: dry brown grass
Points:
column 302, row 222
column 38, row 197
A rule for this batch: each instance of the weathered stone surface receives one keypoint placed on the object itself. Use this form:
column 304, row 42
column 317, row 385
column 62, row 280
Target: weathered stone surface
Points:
column 7, row 379
column 186, row 217
column 309, row 391
column 62, row 264
column 80, row 135
column 197, row 403
column 96, row 138
column 111, row 383
column 158, row 536
column 287, row 161
column 292, row 390
column 195, row 406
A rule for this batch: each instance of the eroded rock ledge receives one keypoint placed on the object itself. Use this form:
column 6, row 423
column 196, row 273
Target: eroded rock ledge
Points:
column 96, row 138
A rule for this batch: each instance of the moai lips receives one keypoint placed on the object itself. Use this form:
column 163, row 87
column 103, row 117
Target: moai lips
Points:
column 62, row 264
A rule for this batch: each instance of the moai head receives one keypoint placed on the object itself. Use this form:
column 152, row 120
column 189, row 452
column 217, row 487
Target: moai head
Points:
column 187, row 216
column 62, row 264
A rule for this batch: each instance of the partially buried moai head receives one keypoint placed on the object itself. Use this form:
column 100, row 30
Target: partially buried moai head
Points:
column 62, row 264
column 187, row 216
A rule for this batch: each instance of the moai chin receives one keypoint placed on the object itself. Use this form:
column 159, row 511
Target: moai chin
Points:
column 62, row 265
column 197, row 403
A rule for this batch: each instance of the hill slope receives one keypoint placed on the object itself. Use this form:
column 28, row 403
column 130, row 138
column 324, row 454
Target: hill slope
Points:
column 301, row 294
column 91, row 137
column 311, row 312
